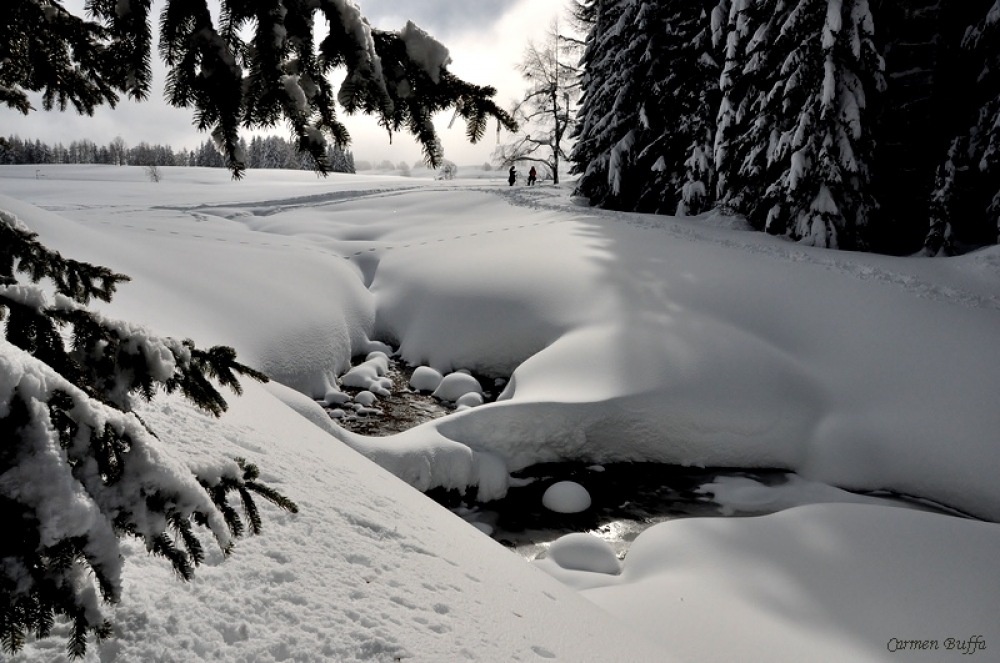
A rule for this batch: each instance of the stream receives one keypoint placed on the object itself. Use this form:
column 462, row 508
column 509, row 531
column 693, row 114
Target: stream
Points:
column 626, row 498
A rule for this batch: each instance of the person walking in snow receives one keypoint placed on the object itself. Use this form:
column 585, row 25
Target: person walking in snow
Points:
column 532, row 175
column 512, row 176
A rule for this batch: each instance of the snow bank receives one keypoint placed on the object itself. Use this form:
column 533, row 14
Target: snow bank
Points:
column 834, row 582
column 627, row 337
column 369, row 569
column 295, row 313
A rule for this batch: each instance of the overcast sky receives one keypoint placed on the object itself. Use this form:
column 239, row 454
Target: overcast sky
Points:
column 486, row 38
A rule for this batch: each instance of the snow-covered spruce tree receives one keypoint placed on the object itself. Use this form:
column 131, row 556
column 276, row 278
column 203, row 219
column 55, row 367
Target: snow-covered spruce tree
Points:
column 258, row 64
column 799, row 141
column 78, row 469
column 599, row 85
column 663, row 118
column 971, row 172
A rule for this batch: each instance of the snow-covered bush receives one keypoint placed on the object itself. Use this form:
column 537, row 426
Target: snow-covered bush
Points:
column 448, row 171
column 78, row 469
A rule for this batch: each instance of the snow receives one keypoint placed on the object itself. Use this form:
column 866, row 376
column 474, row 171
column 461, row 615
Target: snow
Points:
column 425, row 378
column 621, row 337
column 745, row 495
column 428, row 53
column 566, row 497
column 369, row 375
column 583, row 552
column 456, row 385
column 469, row 399
column 830, row 582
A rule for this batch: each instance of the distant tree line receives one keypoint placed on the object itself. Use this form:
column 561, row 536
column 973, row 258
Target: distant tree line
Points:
column 261, row 152
column 855, row 124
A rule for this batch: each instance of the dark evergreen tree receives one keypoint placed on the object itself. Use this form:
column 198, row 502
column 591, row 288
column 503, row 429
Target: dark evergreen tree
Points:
column 78, row 470
column 832, row 116
column 648, row 115
column 965, row 201
column 664, row 115
column 796, row 142
column 599, row 85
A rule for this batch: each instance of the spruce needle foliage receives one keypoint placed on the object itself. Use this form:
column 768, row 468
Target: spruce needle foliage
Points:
column 78, row 469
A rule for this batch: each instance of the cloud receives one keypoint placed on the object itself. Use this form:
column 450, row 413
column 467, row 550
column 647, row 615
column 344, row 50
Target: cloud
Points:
column 441, row 18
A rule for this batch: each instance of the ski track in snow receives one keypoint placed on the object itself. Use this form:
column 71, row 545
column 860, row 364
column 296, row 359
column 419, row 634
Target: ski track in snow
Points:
column 542, row 199
column 206, row 213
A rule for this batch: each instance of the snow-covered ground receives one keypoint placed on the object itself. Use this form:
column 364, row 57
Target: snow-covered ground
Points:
column 623, row 337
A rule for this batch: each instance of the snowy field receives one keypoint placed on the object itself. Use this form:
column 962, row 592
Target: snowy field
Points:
column 619, row 337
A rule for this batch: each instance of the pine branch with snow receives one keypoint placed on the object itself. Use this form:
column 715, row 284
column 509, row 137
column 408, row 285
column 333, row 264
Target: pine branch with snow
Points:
column 79, row 469
column 248, row 65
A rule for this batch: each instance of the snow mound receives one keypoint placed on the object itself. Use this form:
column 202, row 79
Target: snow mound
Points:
column 365, row 398
column 471, row 399
column 584, row 552
column 455, row 385
column 370, row 375
column 829, row 582
column 566, row 497
column 743, row 494
column 425, row 378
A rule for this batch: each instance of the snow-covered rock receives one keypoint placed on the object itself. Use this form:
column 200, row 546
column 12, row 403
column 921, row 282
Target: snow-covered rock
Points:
column 455, row 385
column 470, row 399
column 566, row 497
column 365, row 398
column 370, row 375
column 425, row 378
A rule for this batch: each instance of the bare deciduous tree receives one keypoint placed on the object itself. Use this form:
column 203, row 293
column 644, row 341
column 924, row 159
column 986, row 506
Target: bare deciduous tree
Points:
column 547, row 111
column 118, row 148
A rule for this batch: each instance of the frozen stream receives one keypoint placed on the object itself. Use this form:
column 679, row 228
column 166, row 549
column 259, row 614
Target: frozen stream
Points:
column 627, row 498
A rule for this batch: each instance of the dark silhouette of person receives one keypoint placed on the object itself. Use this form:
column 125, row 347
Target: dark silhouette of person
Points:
column 512, row 176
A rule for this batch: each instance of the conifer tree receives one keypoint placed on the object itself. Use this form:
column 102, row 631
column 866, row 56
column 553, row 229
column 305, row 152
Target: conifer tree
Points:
column 599, row 86
column 258, row 64
column 78, row 469
column 649, row 115
column 675, row 76
column 966, row 197
column 799, row 145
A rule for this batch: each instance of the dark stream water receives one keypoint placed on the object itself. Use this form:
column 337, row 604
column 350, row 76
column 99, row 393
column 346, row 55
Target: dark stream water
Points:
column 626, row 498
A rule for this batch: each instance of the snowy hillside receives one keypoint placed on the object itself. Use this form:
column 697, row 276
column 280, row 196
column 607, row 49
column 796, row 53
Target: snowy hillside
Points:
column 621, row 338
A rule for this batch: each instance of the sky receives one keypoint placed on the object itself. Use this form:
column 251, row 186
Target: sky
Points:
column 486, row 38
